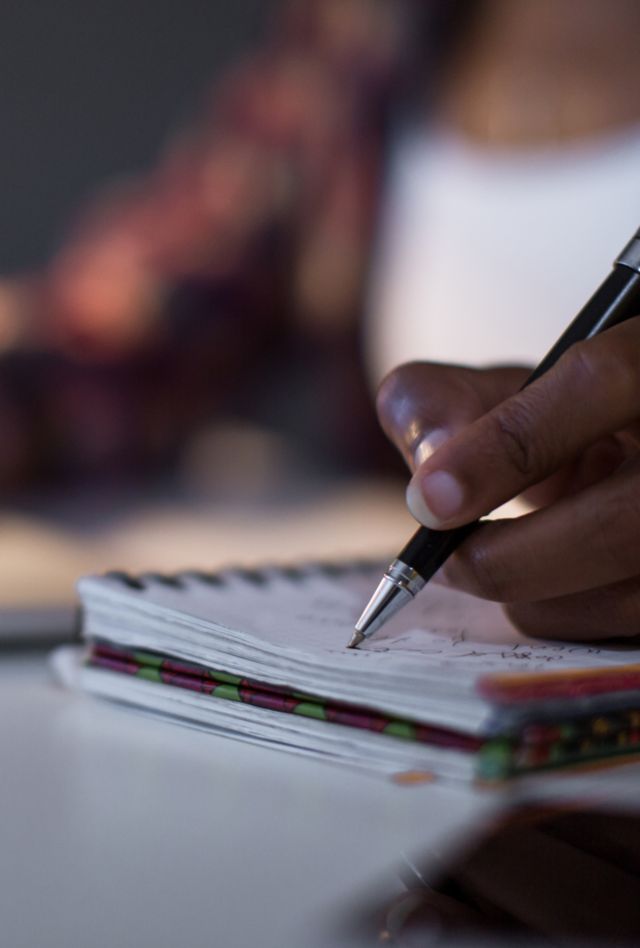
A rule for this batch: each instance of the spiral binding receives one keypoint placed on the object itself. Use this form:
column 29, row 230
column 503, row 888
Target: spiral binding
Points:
column 255, row 577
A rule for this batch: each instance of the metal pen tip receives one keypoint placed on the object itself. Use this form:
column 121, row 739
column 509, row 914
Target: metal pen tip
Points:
column 397, row 587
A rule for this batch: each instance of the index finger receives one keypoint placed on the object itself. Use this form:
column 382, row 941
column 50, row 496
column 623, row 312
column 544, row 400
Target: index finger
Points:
column 593, row 390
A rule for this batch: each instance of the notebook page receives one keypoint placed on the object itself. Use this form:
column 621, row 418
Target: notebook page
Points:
column 444, row 637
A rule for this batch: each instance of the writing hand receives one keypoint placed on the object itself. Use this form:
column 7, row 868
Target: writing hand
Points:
column 571, row 443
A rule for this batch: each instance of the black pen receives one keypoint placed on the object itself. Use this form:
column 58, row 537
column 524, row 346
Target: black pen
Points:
column 617, row 299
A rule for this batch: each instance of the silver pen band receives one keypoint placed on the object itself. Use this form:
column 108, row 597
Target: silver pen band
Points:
column 630, row 255
column 405, row 577
column 397, row 587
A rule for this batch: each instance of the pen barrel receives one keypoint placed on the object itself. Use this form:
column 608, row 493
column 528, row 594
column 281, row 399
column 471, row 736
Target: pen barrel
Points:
column 615, row 300
column 629, row 256
column 428, row 549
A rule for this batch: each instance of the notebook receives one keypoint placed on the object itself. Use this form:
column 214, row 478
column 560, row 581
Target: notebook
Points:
column 447, row 688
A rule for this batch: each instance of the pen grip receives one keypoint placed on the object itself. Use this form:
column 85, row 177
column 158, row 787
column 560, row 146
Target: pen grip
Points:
column 615, row 300
column 428, row 549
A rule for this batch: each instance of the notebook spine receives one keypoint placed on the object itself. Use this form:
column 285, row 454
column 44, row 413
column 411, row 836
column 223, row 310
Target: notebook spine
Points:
column 256, row 577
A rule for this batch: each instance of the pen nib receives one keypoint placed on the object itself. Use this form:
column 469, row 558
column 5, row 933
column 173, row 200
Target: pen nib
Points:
column 397, row 587
column 356, row 639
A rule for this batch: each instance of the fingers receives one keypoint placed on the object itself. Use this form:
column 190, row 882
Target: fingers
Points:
column 608, row 612
column 422, row 404
column 597, row 462
column 592, row 391
column 586, row 540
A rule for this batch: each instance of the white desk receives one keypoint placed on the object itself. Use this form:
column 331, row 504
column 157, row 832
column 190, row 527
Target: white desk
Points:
column 119, row 830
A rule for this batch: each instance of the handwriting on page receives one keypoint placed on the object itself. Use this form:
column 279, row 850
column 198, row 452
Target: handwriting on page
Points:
column 451, row 627
column 441, row 628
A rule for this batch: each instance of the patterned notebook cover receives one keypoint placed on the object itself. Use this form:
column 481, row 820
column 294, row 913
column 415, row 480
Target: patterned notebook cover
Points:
column 445, row 677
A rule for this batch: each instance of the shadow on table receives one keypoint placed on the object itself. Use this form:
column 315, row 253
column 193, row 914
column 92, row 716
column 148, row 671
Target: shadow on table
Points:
column 538, row 876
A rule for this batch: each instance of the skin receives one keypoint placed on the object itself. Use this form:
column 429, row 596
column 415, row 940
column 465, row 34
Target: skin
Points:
column 570, row 443
column 537, row 72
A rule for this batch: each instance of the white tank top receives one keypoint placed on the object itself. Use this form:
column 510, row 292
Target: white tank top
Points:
column 486, row 255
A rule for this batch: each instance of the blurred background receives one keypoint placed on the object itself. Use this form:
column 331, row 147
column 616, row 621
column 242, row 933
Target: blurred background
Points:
column 223, row 224
column 135, row 427
column 90, row 93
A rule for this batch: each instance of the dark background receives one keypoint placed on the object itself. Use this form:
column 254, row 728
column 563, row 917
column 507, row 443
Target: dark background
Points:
column 89, row 90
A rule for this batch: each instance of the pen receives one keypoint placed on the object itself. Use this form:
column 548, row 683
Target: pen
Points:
column 617, row 299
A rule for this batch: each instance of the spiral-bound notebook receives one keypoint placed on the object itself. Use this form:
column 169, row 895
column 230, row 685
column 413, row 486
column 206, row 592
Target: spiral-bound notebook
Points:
column 447, row 688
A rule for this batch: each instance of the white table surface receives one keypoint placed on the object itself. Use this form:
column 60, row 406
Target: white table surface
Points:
column 118, row 830
column 121, row 830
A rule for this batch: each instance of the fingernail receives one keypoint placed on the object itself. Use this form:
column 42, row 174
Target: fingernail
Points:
column 430, row 443
column 435, row 499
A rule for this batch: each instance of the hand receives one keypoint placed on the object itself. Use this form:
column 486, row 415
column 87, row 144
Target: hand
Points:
column 570, row 443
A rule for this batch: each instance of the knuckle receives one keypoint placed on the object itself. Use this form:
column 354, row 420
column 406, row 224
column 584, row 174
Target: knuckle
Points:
column 483, row 575
column 630, row 628
column 412, row 400
column 606, row 364
column 584, row 361
column 386, row 392
column 528, row 619
column 615, row 610
column 397, row 385
column 399, row 407
column 513, row 434
column 607, row 612
column 616, row 521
